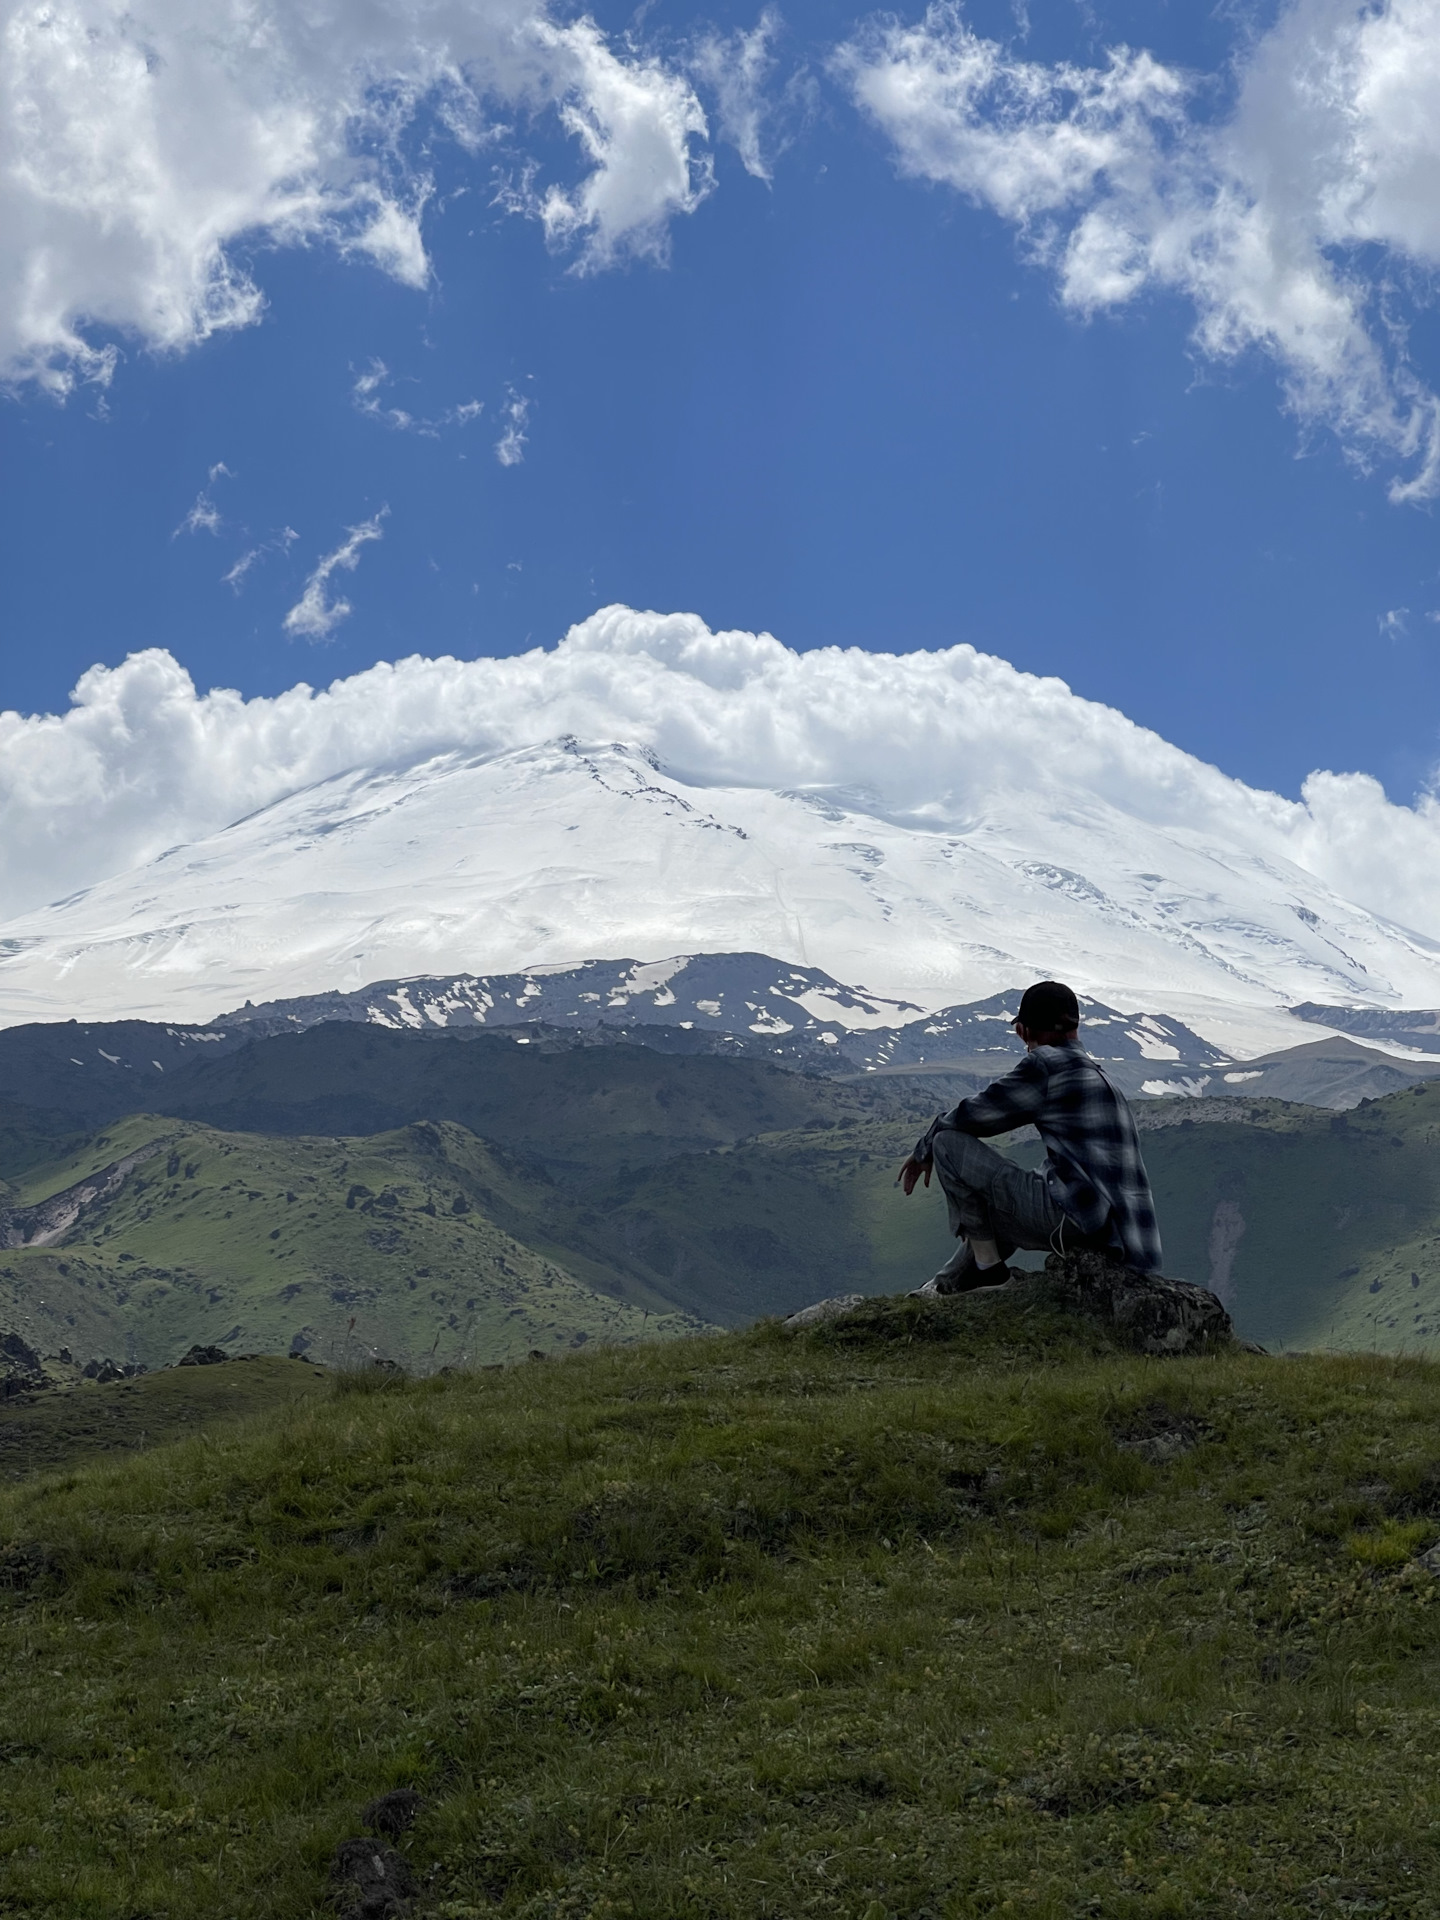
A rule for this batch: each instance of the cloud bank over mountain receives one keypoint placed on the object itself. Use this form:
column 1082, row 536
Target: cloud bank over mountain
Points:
column 928, row 740
column 1291, row 222
column 138, row 147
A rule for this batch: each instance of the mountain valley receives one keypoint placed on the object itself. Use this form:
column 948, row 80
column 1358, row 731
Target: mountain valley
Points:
column 438, row 1200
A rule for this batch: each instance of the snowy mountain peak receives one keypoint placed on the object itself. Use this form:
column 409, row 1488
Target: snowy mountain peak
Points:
column 472, row 863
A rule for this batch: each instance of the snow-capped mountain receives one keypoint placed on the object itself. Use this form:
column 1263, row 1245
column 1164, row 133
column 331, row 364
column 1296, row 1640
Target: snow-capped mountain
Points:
column 466, row 863
column 735, row 1003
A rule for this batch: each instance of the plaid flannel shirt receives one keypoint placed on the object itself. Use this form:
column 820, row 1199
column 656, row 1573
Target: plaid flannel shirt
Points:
column 1093, row 1166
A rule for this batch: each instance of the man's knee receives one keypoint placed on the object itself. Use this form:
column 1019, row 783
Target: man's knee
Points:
column 962, row 1160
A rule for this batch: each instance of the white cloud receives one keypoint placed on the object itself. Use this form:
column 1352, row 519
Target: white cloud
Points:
column 1287, row 225
column 510, row 447
column 204, row 516
column 635, row 120
column 366, row 397
column 252, row 556
column 142, row 761
column 738, row 68
column 140, row 150
column 314, row 616
column 236, row 575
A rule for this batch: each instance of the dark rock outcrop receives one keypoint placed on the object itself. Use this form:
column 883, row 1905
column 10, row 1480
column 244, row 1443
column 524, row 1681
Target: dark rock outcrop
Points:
column 393, row 1813
column 1148, row 1311
column 203, row 1357
column 1144, row 1311
column 21, row 1370
column 371, row 1881
column 102, row 1372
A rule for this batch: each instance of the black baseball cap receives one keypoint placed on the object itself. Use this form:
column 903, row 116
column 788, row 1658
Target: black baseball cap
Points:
column 1048, row 1007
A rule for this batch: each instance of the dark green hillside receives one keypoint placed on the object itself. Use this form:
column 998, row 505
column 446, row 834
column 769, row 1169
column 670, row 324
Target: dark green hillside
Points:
column 915, row 1620
column 334, row 1247
column 771, row 1224
column 568, row 1104
column 29, row 1137
column 1318, row 1229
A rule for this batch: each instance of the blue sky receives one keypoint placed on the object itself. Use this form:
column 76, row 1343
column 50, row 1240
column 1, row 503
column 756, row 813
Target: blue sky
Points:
column 852, row 406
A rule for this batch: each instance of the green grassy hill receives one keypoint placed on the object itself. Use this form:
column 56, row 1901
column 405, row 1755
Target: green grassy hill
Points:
column 331, row 1247
column 84, row 1421
column 939, row 1616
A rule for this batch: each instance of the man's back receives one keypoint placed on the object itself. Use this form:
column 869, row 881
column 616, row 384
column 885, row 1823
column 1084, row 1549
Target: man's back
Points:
column 1095, row 1169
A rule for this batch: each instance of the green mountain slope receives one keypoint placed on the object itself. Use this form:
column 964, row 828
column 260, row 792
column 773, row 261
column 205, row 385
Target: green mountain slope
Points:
column 332, row 1247
column 1318, row 1229
column 438, row 1247
column 924, row 1621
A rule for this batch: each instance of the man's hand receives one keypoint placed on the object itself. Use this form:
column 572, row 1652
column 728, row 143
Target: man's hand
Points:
column 911, row 1172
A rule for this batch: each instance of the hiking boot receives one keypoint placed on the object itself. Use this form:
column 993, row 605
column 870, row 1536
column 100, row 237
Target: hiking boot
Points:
column 967, row 1278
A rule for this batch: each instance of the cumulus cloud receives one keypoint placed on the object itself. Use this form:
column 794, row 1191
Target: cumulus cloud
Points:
column 142, row 761
column 140, row 148
column 1288, row 225
column 315, row 616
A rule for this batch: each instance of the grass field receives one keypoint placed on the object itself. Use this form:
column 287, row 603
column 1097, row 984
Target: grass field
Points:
column 74, row 1427
column 943, row 1614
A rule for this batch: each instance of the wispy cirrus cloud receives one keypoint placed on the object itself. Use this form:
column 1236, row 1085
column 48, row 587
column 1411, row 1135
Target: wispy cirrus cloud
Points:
column 367, row 397
column 204, row 515
column 278, row 543
column 315, row 616
column 1290, row 225
column 510, row 447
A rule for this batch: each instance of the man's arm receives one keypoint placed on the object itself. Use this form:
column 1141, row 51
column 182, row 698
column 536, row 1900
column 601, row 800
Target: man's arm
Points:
column 1006, row 1104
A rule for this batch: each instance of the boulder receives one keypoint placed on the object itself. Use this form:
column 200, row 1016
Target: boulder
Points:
column 203, row 1357
column 832, row 1309
column 21, row 1369
column 1148, row 1311
column 1145, row 1311
column 370, row 1880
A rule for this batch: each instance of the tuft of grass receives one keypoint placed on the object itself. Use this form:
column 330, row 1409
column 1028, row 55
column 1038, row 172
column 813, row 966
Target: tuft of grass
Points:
column 889, row 1623
column 1393, row 1544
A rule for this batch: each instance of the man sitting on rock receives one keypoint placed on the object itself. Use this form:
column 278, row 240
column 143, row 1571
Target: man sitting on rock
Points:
column 1093, row 1191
